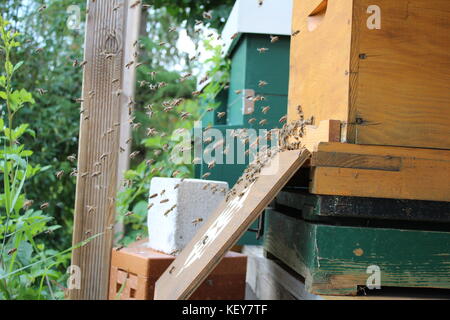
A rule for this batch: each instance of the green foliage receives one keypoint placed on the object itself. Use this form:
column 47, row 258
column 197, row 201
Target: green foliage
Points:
column 26, row 265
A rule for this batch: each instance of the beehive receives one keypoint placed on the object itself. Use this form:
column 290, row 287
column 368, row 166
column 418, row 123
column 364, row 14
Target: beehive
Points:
column 381, row 67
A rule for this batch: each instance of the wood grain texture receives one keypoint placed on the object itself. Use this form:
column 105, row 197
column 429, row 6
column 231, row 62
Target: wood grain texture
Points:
column 381, row 172
column 99, row 150
column 225, row 226
column 334, row 259
column 326, row 131
column 403, row 91
column 320, row 61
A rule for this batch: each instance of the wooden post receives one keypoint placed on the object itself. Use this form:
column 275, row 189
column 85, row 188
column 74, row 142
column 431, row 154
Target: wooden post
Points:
column 104, row 124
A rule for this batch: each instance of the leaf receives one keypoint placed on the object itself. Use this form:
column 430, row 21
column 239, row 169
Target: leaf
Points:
column 2, row 81
column 3, row 95
column 17, row 66
column 9, row 67
column 24, row 252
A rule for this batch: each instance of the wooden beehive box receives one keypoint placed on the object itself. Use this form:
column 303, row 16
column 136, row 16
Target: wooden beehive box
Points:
column 381, row 67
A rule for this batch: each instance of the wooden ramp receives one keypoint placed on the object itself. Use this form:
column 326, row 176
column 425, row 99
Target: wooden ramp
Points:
column 227, row 225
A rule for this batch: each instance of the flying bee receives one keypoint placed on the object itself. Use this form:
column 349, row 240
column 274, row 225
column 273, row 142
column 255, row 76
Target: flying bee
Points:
column 83, row 63
column 208, row 140
column 172, row 29
column 265, row 109
column 120, row 248
column 150, row 205
column 44, row 206
column 114, row 81
column 260, row 2
column 295, row 33
column 252, row 120
column 220, row 115
column 263, row 122
column 153, row 74
column 196, row 93
column 175, row 173
column 162, row 43
column 75, row 63
column 211, row 164
column 157, row 152
column 59, row 174
column 274, row 39
column 198, row 22
column 150, row 162
column 238, row 91
column 197, row 221
column 129, row 213
column 262, row 50
column 151, row 132
column 204, row 79
column 41, row 91
column 129, row 64
column 10, row 252
column 91, row 209
column 207, row 15
column 234, row 36
column 134, row 154
column 262, row 83
column 283, row 119
column 27, row 204
column 164, row 201
column 197, row 161
column 206, row 175
column 153, row 196
column 74, row 173
column 136, row 3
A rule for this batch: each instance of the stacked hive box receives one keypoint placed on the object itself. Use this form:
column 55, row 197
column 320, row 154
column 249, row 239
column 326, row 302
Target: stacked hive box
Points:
column 379, row 197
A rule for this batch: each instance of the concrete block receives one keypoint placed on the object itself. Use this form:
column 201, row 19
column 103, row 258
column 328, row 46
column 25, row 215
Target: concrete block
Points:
column 178, row 209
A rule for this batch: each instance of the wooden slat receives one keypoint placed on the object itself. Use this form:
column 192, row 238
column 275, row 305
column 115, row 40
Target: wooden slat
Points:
column 224, row 228
column 98, row 147
column 381, row 172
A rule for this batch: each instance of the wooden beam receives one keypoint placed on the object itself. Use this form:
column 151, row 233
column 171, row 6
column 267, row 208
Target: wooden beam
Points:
column 226, row 226
column 100, row 132
column 381, row 172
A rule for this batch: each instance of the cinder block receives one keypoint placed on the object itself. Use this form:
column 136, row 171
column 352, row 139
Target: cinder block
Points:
column 135, row 270
column 179, row 208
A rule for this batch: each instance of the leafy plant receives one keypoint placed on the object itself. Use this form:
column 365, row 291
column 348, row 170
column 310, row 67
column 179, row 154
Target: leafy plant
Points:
column 26, row 265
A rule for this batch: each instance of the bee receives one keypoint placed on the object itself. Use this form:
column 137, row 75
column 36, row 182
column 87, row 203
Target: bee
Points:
column 27, row 204
column 207, row 15
column 205, row 239
column 88, row 232
column 75, row 63
column 295, row 33
column 175, row 173
column 84, row 175
column 44, row 205
column 138, row 237
column 204, row 79
column 59, row 174
column 129, row 213
column 129, row 64
column 114, row 81
column 176, row 186
column 153, row 196
column 151, row 132
column 83, row 63
column 172, row 269
column 197, row 161
column 234, row 36
column 220, row 115
column 164, row 201
column 196, row 93
column 263, row 122
column 136, row 3
column 206, row 175
column 162, row 43
column 283, row 119
column 260, row 2
column 41, row 91
column 262, row 83
column 134, row 154
column 139, row 64
column 157, row 152
column 10, row 252
column 153, row 74
column 170, row 210
column 91, row 209
column 274, row 39
column 74, row 173
column 42, row 8
column 172, row 29
column 265, row 109
column 185, row 115
column 238, row 91
column 252, row 120
column 197, row 221
column 103, row 156
column 211, row 164
column 150, row 205
column 120, row 248
column 96, row 174
column 262, row 50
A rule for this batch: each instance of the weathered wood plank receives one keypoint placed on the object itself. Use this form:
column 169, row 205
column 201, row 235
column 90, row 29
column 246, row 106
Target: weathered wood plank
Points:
column 98, row 157
column 226, row 225
column 315, row 206
column 381, row 172
column 334, row 260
